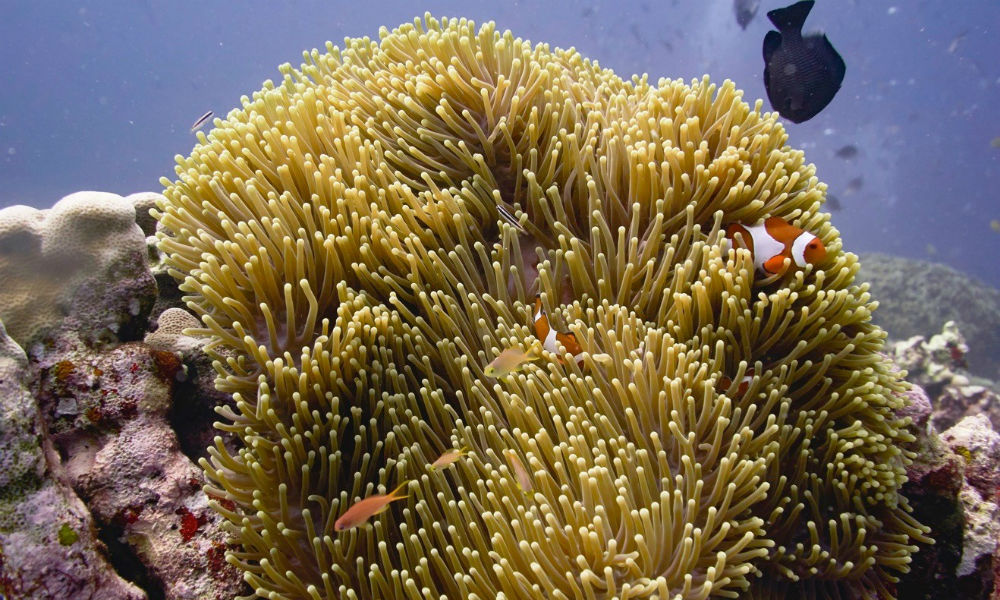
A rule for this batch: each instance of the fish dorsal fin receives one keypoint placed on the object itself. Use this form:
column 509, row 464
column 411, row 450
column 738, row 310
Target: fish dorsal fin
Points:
column 772, row 41
column 836, row 63
column 791, row 18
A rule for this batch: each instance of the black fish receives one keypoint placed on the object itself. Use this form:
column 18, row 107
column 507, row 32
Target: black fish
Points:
column 854, row 186
column 801, row 74
column 745, row 11
column 846, row 152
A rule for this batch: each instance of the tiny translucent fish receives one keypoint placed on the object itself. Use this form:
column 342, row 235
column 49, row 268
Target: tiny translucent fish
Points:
column 995, row 225
column 995, row 142
column 362, row 510
column 523, row 478
column 449, row 457
column 511, row 360
column 201, row 121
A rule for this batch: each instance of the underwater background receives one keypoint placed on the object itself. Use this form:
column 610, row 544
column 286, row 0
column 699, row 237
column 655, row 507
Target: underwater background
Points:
column 101, row 95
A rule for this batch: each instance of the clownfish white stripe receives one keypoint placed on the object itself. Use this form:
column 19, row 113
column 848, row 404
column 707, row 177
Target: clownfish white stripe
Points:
column 764, row 244
column 775, row 240
column 551, row 339
column 799, row 248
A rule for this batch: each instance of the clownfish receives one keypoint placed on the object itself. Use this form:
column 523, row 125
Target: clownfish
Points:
column 741, row 389
column 552, row 338
column 774, row 240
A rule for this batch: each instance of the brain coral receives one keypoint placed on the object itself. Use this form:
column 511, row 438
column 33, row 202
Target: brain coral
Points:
column 341, row 239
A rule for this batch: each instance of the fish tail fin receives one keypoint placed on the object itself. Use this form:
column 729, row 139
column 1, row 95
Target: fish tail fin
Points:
column 394, row 494
column 791, row 18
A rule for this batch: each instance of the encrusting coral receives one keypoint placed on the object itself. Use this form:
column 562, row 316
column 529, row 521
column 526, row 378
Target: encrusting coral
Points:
column 342, row 237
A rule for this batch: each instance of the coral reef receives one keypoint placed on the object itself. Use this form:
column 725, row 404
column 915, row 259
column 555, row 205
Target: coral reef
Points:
column 97, row 448
column 940, row 365
column 48, row 546
column 362, row 238
column 953, row 486
column 58, row 264
column 917, row 297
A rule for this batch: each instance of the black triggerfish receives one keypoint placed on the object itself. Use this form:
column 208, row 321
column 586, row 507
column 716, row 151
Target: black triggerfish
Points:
column 801, row 73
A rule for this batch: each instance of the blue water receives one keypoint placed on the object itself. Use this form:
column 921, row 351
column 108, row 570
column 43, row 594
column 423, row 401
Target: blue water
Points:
column 100, row 95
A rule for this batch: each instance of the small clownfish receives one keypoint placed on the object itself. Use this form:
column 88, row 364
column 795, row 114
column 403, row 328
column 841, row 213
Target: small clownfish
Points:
column 774, row 240
column 361, row 511
column 741, row 389
column 448, row 457
column 552, row 338
column 512, row 360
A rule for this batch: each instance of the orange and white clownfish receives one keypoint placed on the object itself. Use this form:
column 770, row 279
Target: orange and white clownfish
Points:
column 552, row 338
column 725, row 382
column 774, row 240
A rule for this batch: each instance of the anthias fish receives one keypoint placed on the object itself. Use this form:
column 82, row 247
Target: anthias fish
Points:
column 522, row 475
column 801, row 73
column 774, row 240
column 449, row 457
column 745, row 11
column 361, row 511
column 511, row 360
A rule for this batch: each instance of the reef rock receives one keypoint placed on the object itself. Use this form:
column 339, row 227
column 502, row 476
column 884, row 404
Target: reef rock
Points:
column 107, row 415
column 917, row 297
column 939, row 365
column 953, row 486
column 48, row 542
column 100, row 494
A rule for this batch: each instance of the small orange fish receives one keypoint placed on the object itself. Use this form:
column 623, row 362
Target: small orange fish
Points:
column 725, row 382
column 552, row 338
column 774, row 240
column 523, row 477
column 511, row 360
column 449, row 457
column 361, row 511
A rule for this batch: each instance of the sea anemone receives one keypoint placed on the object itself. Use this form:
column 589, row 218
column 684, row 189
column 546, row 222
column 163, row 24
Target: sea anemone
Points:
column 363, row 238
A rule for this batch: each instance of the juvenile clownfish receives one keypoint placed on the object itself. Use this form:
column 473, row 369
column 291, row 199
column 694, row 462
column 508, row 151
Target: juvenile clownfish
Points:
column 552, row 338
column 741, row 389
column 362, row 510
column 774, row 240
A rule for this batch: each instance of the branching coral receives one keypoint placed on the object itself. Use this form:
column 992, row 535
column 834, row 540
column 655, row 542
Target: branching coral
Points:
column 340, row 239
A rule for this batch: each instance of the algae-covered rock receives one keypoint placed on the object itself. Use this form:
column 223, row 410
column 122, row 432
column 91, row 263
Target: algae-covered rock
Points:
column 48, row 542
